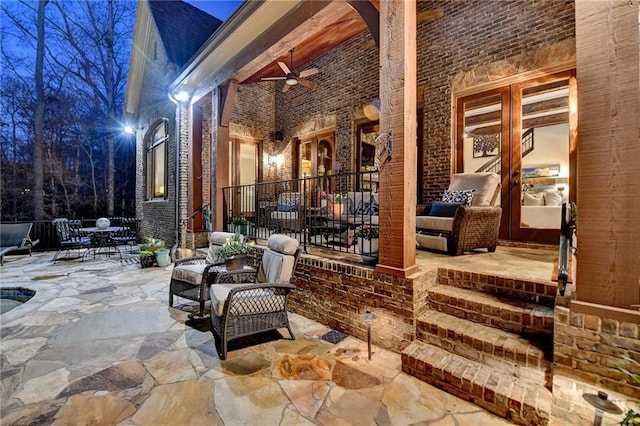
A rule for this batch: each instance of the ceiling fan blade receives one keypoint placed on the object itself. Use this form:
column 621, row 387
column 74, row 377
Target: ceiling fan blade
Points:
column 309, row 72
column 273, row 78
column 428, row 15
column 286, row 88
column 284, row 67
column 308, row 84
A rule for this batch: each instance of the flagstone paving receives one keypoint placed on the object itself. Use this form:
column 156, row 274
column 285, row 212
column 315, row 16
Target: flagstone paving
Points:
column 99, row 345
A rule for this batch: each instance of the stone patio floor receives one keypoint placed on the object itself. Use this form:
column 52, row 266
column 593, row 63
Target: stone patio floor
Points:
column 98, row 345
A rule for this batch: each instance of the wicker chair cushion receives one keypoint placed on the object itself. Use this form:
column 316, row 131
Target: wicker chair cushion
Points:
column 254, row 301
column 216, row 240
column 435, row 223
column 283, row 244
column 275, row 267
column 486, row 185
column 189, row 273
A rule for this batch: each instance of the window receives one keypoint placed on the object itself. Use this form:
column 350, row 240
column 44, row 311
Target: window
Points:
column 157, row 160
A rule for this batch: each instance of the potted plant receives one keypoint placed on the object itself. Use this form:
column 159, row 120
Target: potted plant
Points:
column 367, row 239
column 337, row 207
column 154, row 249
column 632, row 417
column 234, row 252
column 240, row 225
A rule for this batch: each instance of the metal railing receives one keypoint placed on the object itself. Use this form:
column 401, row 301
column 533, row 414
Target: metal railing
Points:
column 333, row 212
column 567, row 228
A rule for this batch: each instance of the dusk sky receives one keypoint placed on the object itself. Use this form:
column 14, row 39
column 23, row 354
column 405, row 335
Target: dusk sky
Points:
column 221, row 9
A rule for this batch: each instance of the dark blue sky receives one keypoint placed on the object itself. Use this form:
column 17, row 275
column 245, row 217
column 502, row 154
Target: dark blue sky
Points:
column 221, row 9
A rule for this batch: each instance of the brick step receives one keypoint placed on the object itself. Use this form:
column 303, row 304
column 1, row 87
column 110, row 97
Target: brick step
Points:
column 541, row 292
column 520, row 401
column 522, row 357
column 491, row 310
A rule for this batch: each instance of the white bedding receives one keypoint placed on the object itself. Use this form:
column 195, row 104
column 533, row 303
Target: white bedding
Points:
column 546, row 217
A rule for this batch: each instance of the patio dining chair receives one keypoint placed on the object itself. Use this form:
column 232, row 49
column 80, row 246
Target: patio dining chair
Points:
column 128, row 233
column 247, row 303
column 70, row 238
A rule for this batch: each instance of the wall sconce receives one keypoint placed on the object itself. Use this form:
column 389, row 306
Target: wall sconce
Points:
column 368, row 317
column 272, row 160
column 278, row 136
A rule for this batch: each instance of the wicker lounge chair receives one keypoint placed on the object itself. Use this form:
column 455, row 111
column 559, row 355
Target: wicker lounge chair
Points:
column 455, row 228
column 244, row 304
column 191, row 276
column 15, row 237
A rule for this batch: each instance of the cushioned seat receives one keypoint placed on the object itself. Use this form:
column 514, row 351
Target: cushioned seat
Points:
column 244, row 304
column 191, row 276
column 467, row 217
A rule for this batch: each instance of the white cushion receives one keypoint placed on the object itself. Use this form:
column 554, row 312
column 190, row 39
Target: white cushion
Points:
column 244, row 302
column 275, row 267
column 486, row 185
column 436, row 223
column 189, row 273
column 533, row 199
column 283, row 244
column 552, row 198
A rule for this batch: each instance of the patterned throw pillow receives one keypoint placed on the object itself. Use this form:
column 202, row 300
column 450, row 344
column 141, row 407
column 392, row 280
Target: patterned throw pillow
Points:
column 463, row 197
column 368, row 208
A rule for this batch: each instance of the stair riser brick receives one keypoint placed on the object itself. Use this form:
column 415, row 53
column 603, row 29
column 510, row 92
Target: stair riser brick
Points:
column 537, row 292
column 501, row 405
column 513, row 321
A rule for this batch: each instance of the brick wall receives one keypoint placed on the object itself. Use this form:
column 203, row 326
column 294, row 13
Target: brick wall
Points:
column 158, row 216
column 586, row 350
column 348, row 77
column 471, row 34
column 335, row 294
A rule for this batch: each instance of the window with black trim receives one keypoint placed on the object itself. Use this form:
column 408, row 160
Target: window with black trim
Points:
column 157, row 160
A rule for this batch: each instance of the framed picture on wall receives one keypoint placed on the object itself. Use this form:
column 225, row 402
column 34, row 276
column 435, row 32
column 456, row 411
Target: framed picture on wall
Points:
column 486, row 145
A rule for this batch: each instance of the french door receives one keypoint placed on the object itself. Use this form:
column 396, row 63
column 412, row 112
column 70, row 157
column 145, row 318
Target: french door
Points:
column 526, row 133
column 244, row 169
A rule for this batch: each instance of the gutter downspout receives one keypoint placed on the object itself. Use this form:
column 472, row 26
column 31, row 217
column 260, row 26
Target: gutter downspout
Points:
column 176, row 245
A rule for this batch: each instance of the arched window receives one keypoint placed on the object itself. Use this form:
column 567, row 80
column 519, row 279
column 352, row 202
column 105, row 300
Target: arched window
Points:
column 156, row 166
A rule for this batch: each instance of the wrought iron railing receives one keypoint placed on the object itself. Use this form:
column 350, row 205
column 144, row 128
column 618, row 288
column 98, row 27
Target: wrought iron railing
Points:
column 337, row 212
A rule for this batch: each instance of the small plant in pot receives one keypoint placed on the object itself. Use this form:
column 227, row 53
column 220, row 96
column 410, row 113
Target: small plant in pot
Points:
column 150, row 250
column 240, row 225
column 234, row 252
column 147, row 258
column 368, row 239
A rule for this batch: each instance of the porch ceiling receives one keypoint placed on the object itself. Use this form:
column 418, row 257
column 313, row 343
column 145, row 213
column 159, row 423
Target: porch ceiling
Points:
column 324, row 31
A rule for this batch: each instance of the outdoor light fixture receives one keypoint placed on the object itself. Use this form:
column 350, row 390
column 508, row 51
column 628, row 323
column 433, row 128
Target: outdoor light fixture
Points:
column 368, row 317
column 272, row 160
column 291, row 81
column 601, row 404
column 129, row 130
column 182, row 96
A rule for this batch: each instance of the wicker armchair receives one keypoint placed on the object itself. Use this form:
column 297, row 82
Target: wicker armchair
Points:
column 191, row 276
column 289, row 212
column 455, row 228
column 244, row 304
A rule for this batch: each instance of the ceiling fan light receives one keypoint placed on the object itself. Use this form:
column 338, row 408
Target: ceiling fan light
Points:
column 291, row 81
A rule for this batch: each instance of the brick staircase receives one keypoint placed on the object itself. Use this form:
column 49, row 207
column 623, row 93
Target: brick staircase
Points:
column 489, row 340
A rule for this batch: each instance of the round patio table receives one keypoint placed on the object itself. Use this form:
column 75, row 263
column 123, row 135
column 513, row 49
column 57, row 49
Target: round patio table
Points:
column 101, row 241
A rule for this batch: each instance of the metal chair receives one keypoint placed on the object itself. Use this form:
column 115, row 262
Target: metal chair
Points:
column 128, row 234
column 70, row 238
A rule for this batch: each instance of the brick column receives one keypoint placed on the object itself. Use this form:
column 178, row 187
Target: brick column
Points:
column 608, row 199
column 398, row 118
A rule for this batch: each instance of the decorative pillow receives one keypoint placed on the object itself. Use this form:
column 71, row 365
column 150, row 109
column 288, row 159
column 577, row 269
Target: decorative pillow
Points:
column 552, row 198
column 535, row 199
column 442, row 209
column 287, row 206
column 464, row 196
column 368, row 208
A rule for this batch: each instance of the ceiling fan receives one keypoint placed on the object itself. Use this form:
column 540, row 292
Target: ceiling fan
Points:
column 292, row 78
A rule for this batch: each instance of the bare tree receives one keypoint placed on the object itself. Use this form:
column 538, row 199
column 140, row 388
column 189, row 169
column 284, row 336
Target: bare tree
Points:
column 90, row 35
